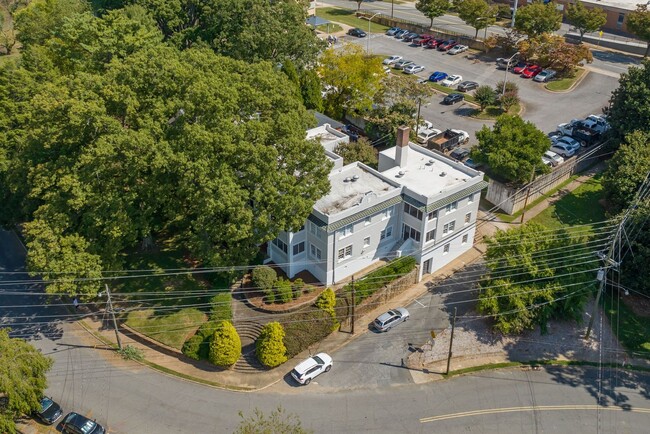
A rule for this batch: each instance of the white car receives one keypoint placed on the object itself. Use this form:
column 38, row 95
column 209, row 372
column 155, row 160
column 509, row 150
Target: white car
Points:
column 386, row 69
column 452, row 80
column 426, row 134
column 311, row 368
column 555, row 158
column 458, row 49
column 413, row 69
column 563, row 149
column 425, row 124
column 392, row 59
column 569, row 141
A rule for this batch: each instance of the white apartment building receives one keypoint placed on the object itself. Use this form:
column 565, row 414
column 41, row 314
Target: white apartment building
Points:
column 419, row 203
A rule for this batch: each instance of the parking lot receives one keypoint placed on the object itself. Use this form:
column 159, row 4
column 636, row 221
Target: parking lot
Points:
column 544, row 108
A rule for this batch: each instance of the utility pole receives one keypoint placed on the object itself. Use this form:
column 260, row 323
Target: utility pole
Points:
column 417, row 120
column 451, row 340
column 109, row 303
column 354, row 302
column 523, row 211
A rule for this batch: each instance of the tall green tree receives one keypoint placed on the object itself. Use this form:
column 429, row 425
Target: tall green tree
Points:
column 628, row 109
column 638, row 22
column 360, row 150
column 432, row 9
column 627, row 170
column 485, row 96
column 476, row 13
column 310, row 89
column 513, row 148
column 36, row 22
column 552, row 51
column 545, row 285
column 352, row 79
column 537, row 18
column 635, row 273
column 584, row 19
column 22, row 379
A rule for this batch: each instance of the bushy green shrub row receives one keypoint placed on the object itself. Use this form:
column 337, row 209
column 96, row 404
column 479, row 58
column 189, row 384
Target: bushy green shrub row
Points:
column 198, row 346
column 277, row 290
column 220, row 308
column 382, row 276
column 225, row 348
column 269, row 347
column 306, row 328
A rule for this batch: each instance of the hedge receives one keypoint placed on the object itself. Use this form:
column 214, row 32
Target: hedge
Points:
column 306, row 328
column 225, row 348
column 198, row 346
column 269, row 347
column 220, row 308
column 377, row 279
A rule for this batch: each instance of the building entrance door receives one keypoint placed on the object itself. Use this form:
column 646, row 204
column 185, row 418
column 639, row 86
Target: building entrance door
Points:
column 426, row 267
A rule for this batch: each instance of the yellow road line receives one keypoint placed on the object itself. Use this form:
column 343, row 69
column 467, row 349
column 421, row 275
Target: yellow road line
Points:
column 537, row 408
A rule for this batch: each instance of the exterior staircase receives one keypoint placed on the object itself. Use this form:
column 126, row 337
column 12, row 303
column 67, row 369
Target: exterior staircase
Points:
column 248, row 333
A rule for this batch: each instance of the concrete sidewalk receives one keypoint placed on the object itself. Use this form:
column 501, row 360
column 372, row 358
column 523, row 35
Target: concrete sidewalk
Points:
column 171, row 361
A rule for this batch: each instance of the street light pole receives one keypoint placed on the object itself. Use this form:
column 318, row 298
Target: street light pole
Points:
column 505, row 76
column 514, row 13
column 368, row 35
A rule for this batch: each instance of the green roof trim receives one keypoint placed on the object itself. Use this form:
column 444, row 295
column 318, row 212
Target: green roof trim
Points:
column 363, row 214
column 456, row 196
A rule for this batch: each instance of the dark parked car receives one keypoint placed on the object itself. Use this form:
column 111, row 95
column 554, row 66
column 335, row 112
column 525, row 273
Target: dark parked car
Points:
column 447, row 45
column 410, row 36
column 437, row 76
column 75, row 423
column 453, row 98
column 459, row 154
column 50, row 411
column 357, row 32
column 392, row 31
column 466, row 86
column 400, row 33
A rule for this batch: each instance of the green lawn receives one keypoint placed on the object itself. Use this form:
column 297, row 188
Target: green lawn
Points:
column 493, row 112
column 448, row 90
column 564, row 83
column 171, row 329
column 329, row 28
column 580, row 207
column 633, row 331
column 347, row 17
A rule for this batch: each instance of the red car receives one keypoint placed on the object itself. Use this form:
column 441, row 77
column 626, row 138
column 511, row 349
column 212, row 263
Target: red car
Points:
column 433, row 43
column 422, row 39
column 531, row 71
column 447, row 45
column 519, row 67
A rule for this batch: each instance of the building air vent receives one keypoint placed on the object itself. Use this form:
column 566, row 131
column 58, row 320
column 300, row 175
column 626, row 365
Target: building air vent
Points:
column 355, row 178
column 347, row 179
column 443, row 173
column 430, row 162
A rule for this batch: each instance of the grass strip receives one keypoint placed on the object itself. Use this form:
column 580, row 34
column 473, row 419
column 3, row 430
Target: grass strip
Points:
column 564, row 83
column 348, row 17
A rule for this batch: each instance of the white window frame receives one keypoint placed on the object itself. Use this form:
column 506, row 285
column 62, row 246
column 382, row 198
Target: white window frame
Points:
column 470, row 199
column 445, row 248
column 432, row 215
column 293, row 248
column 388, row 213
column 468, row 218
column 451, row 207
column 344, row 253
column 428, row 239
column 346, row 231
column 315, row 230
column 315, row 252
column 449, row 227
column 413, row 231
column 386, row 234
column 366, row 242
column 465, row 238
column 367, row 221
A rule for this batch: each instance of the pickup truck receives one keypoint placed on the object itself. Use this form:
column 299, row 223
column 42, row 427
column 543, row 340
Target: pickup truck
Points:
column 596, row 123
column 447, row 140
column 580, row 130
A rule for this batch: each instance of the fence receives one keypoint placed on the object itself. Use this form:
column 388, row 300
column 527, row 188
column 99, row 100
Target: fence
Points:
column 511, row 199
column 423, row 28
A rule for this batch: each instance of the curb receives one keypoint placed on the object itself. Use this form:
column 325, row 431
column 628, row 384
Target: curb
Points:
column 573, row 86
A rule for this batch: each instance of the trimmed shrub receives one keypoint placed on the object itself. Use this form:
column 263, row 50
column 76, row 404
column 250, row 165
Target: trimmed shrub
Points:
column 220, row 308
column 283, row 292
column 225, row 348
column 327, row 302
column 269, row 347
column 198, row 346
column 305, row 328
column 297, row 287
column 264, row 277
column 382, row 276
column 192, row 346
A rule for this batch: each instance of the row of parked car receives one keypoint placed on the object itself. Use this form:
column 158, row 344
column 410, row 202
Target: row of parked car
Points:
column 527, row 70
column 569, row 137
column 427, row 41
column 74, row 423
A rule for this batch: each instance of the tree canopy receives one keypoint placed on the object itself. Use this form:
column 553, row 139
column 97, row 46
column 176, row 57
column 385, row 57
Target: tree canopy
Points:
column 584, row 19
column 629, row 110
column 627, row 170
column 537, row 18
column 513, row 148
column 121, row 139
column 635, row 273
column 533, row 276
column 638, row 22
column 552, row 51
column 476, row 13
column 432, row 8
column 359, row 150
column 22, row 379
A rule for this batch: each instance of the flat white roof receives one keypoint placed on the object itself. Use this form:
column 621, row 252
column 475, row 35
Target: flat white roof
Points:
column 619, row 4
column 346, row 192
column 426, row 173
column 328, row 136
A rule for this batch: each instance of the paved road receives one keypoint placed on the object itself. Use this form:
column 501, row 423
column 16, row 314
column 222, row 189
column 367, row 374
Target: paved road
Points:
column 131, row 399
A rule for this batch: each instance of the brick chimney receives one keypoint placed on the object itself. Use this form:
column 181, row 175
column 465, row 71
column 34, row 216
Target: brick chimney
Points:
column 401, row 153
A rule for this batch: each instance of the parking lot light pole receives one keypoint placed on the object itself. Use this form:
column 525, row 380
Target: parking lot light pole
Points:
column 505, row 77
column 368, row 35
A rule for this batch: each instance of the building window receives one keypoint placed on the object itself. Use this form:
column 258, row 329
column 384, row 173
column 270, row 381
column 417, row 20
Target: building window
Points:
column 346, row 231
column 432, row 215
column 345, row 253
column 431, row 235
column 299, row 248
column 368, row 221
column 411, row 210
column 366, row 242
column 315, row 230
column 465, row 239
column 470, row 199
column 451, row 207
column 314, row 251
column 410, row 232
column 445, row 249
column 448, row 228
column 388, row 213
column 468, row 217
column 280, row 245
column 386, row 233
column 621, row 18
